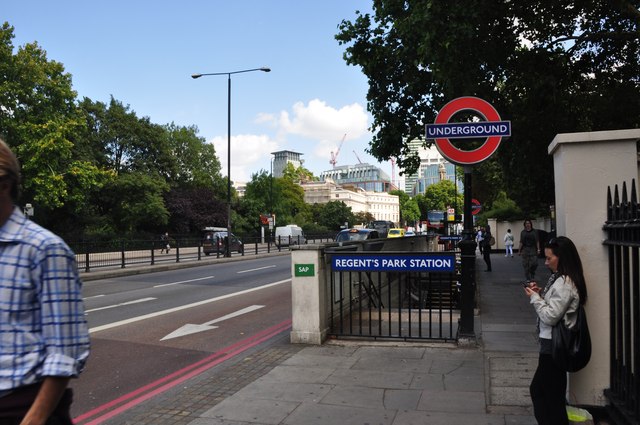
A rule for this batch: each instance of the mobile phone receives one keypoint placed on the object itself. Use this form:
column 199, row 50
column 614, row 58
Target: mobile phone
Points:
column 526, row 283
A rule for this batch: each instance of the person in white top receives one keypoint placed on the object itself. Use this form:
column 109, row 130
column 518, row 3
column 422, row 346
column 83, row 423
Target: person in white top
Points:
column 508, row 243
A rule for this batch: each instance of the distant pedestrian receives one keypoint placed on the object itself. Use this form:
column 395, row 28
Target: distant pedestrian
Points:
column 44, row 340
column 486, row 249
column 508, row 244
column 164, row 241
column 559, row 300
column 529, row 249
column 479, row 239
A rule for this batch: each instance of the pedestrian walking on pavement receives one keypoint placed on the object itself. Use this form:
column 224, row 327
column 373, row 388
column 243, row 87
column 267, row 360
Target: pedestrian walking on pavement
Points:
column 44, row 340
column 479, row 238
column 508, row 243
column 486, row 249
column 529, row 249
column 558, row 300
column 164, row 241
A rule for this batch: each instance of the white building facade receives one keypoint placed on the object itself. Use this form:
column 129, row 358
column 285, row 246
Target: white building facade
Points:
column 381, row 205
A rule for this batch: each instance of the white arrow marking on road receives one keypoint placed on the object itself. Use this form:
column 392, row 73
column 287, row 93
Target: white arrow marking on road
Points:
column 189, row 328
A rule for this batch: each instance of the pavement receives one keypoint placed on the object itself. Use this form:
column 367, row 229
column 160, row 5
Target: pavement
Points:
column 347, row 382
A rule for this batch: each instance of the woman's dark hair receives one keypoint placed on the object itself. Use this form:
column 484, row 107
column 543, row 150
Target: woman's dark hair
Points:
column 527, row 221
column 569, row 263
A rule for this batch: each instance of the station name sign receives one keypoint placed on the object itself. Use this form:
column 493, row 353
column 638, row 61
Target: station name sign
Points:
column 394, row 262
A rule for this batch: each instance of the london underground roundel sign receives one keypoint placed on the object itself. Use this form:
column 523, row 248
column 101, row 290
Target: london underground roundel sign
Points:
column 492, row 128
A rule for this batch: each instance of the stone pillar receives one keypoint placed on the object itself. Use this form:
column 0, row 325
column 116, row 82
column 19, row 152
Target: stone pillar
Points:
column 308, row 297
column 585, row 164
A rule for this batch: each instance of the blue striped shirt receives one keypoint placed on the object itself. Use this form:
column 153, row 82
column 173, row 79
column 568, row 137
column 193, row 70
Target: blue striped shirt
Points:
column 43, row 330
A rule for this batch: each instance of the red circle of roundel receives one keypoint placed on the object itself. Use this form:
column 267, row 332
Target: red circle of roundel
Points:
column 484, row 109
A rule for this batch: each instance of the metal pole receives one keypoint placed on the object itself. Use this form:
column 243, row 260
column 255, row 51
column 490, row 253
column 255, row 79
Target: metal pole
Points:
column 468, row 253
column 228, row 247
column 227, row 251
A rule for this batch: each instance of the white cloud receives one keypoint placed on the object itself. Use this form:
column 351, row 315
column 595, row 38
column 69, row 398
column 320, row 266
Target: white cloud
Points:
column 314, row 129
column 248, row 153
column 323, row 125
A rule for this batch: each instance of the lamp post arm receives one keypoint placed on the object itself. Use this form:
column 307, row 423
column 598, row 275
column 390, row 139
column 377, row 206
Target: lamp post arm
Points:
column 263, row 69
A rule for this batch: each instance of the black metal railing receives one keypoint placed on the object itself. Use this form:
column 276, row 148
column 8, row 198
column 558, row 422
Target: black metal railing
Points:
column 91, row 255
column 623, row 241
column 392, row 305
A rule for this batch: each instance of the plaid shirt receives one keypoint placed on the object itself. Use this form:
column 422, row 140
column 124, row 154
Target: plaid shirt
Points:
column 43, row 330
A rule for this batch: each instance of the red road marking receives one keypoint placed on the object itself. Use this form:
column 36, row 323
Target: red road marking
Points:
column 175, row 378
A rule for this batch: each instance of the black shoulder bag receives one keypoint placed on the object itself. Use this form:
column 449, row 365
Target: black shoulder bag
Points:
column 571, row 348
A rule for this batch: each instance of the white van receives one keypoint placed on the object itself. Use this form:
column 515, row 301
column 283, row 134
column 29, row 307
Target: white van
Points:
column 289, row 235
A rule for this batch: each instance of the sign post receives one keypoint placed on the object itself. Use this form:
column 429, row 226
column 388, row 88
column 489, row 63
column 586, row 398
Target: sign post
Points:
column 493, row 129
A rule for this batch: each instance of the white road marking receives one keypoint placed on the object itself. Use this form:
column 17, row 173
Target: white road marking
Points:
column 93, row 296
column 182, row 307
column 190, row 328
column 184, row 281
column 141, row 300
column 254, row 270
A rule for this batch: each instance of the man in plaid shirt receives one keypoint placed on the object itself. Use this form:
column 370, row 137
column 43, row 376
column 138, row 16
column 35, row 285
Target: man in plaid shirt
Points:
column 44, row 340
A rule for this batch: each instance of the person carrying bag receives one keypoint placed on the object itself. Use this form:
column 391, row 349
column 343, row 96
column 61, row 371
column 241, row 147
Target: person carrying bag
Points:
column 559, row 304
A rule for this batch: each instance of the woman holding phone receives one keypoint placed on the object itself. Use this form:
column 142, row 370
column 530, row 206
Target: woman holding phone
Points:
column 558, row 300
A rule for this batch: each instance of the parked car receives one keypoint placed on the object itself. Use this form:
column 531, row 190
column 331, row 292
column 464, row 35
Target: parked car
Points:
column 214, row 242
column 356, row 235
column 289, row 235
column 395, row 233
column 409, row 233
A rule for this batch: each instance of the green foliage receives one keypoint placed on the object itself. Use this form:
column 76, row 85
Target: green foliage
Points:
column 363, row 218
column 549, row 67
column 310, row 229
column 410, row 212
column 299, row 174
column 409, row 208
column 441, row 195
column 135, row 201
column 193, row 208
column 333, row 215
column 93, row 169
column 502, row 209
column 281, row 196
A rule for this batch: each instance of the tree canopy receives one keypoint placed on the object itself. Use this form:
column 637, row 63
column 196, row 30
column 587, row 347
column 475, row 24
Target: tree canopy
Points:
column 549, row 67
column 91, row 168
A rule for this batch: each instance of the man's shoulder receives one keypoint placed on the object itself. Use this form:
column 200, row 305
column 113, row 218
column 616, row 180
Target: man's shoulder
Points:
column 39, row 237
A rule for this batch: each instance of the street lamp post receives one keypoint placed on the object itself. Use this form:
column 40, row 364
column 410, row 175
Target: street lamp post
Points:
column 228, row 74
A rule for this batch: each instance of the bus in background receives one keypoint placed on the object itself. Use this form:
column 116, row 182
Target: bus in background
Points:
column 435, row 222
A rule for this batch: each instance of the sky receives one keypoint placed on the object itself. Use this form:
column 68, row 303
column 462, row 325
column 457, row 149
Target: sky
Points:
column 144, row 52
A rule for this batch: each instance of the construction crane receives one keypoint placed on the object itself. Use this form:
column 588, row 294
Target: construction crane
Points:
column 359, row 160
column 334, row 156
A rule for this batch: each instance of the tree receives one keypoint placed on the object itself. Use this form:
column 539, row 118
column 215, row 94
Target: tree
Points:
column 410, row 212
column 441, row 195
column 549, row 67
column 40, row 121
column 333, row 215
column 134, row 202
column 193, row 208
column 298, row 174
column 195, row 163
column 127, row 143
column 503, row 209
column 261, row 195
column 362, row 217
